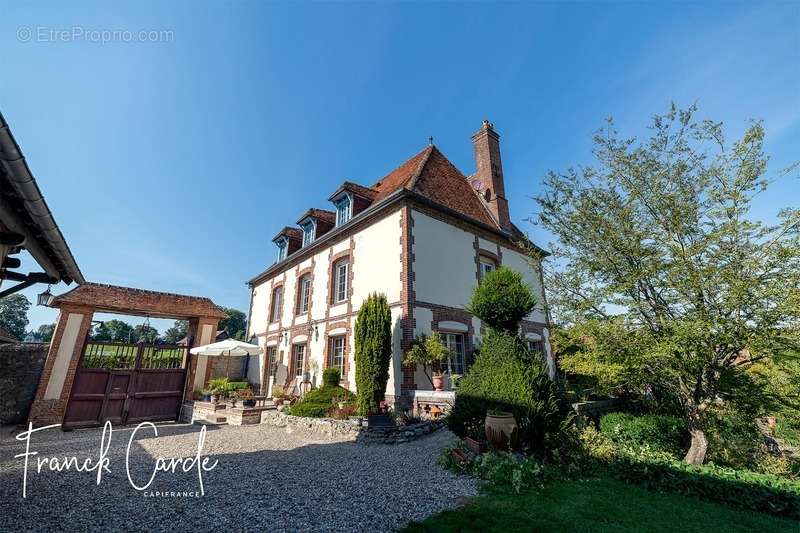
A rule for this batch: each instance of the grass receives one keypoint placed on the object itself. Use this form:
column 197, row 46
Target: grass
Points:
column 598, row 505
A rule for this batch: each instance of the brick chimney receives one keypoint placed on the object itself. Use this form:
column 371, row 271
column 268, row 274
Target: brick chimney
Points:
column 488, row 177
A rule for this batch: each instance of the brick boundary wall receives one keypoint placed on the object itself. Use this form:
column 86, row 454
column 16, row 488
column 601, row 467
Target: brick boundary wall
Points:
column 21, row 366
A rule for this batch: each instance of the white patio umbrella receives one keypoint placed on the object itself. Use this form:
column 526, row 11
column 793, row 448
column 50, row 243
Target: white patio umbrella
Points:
column 227, row 347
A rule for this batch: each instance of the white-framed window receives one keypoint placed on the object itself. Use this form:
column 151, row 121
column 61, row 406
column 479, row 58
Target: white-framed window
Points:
column 282, row 249
column 275, row 305
column 455, row 343
column 536, row 347
column 272, row 360
column 308, row 232
column 486, row 265
column 340, row 283
column 344, row 210
column 303, row 293
column 298, row 357
column 336, row 354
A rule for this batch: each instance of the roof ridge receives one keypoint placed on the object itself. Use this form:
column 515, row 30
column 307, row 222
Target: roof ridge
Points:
column 412, row 182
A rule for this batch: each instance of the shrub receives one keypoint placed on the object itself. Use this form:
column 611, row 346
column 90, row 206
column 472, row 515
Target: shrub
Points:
column 506, row 377
column 659, row 433
column 502, row 299
column 331, row 377
column 318, row 402
column 218, row 385
column 278, row 391
column 738, row 488
column 373, row 352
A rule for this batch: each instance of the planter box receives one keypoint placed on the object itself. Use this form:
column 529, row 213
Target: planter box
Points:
column 477, row 447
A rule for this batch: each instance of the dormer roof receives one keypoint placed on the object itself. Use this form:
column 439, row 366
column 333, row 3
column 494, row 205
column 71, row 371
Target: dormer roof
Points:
column 319, row 214
column 356, row 189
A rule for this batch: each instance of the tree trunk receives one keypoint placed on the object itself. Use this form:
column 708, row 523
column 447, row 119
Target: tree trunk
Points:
column 697, row 451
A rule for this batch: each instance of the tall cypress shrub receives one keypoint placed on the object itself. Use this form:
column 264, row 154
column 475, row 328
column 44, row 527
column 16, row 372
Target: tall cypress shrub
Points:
column 373, row 352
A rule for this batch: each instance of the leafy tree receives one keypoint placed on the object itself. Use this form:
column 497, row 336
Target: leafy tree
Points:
column 373, row 352
column 43, row 333
column 428, row 351
column 234, row 323
column 176, row 332
column 114, row 331
column 682, row 288
column 14, row 314
column 146, row 334
column 502, row 300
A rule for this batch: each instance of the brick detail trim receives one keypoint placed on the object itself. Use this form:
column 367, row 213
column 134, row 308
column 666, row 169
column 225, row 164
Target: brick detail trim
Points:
column 407, row 295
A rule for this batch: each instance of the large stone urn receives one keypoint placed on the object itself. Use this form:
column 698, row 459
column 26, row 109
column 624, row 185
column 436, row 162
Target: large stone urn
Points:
column 501, row 430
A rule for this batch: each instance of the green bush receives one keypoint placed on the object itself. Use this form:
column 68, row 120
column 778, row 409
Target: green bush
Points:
column 331, row 377
column 237, row 385
column 658, row 432
column 739, row 488
column 502, row 300
column 506, row 377
column 316, row 403
column 373, row 352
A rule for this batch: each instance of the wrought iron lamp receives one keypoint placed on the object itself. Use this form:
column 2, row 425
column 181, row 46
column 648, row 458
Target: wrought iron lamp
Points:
column 45, row 298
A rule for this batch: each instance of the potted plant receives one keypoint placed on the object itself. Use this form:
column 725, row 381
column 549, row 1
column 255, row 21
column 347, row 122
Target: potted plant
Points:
column 476, row 438
column 206, row 395
column 428, row 351
column 501, row 429
column 246, row 395
column 217, row 387
column 277, row 394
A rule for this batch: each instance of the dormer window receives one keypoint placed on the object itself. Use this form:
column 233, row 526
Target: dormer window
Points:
column 344, row 210
column 308, row 232
column 283, row 245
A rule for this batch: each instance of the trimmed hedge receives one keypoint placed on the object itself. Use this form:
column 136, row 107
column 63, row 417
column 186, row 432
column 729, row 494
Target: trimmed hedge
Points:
column 506, row 377
column 660, row 433
column 331, row 377
column 318, row 402
column 738, row 488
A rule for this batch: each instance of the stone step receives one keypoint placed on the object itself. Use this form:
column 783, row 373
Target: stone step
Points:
column 212, row 420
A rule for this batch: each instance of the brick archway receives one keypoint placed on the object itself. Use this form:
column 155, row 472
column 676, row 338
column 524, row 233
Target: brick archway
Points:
column 64, row 359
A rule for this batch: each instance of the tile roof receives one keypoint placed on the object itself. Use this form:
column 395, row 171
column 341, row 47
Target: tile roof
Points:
column 355, row 188
column 290, row 232
column 127, row 300
column 321, row 214
column 432, row 175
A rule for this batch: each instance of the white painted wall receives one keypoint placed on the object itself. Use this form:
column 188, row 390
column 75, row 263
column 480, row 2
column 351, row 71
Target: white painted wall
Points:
column 63, row 357
column 376, row 268
column 444, row 262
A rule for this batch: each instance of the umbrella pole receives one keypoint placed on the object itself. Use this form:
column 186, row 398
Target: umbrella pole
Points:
column 228, row 364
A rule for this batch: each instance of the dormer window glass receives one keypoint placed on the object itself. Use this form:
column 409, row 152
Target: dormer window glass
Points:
column 344, row 210
column 283, row 246
column 308, row 232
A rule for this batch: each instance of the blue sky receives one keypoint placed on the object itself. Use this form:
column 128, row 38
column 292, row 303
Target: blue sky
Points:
column 170, row 165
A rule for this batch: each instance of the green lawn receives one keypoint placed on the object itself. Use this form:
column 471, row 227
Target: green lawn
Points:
column 599, row 505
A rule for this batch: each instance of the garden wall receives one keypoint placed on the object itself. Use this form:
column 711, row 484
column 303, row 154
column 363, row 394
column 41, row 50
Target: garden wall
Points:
column 349, row 429
column 20, row 368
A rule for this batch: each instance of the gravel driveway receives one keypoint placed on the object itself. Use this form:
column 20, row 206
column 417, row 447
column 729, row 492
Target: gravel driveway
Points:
column 266, row 480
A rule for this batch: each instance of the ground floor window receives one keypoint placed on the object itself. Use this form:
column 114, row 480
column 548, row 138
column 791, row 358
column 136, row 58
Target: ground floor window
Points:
column 536, row 347
column 455, row 343
column 336, row 354
column 297, row 359
column 272, row 360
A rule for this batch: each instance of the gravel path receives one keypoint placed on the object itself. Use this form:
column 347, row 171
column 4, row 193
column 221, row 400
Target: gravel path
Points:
column 266, row 480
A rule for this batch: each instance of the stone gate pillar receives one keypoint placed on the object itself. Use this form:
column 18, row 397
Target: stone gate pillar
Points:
column 66, row 347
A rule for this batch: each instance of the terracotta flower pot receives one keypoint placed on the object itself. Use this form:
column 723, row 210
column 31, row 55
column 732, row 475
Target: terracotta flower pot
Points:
column 501, row 431
column 438, row 382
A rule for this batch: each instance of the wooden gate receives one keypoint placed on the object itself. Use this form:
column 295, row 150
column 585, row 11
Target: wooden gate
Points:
column 126, row 383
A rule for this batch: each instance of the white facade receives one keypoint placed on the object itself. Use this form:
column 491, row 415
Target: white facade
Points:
column 445, row 271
